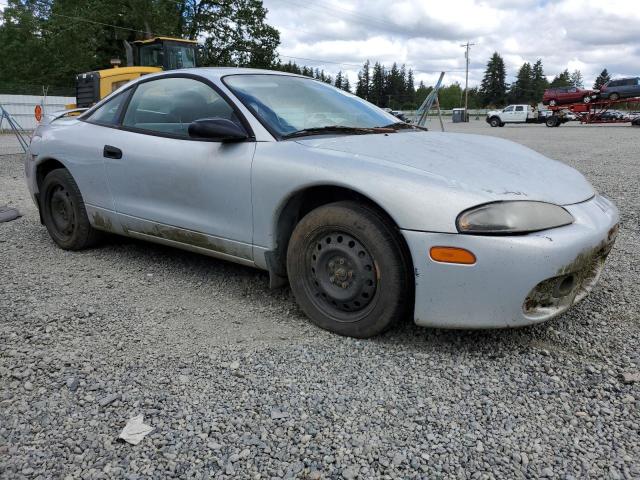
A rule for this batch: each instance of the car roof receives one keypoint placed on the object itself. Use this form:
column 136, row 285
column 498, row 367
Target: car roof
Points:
column 219, row 72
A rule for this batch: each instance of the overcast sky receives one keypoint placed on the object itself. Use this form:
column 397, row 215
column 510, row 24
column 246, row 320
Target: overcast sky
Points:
column 588, row 35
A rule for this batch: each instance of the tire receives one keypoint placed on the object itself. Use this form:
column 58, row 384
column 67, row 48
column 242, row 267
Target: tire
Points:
column 502, row 124
column 614, row 96
column 551, row 121
column 349, row 270
column 494, row 122
column 587, row 99
column 64, row 213
column 553, row 102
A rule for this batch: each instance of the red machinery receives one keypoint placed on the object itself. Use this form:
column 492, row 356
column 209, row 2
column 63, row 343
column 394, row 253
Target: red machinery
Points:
column 596, row 111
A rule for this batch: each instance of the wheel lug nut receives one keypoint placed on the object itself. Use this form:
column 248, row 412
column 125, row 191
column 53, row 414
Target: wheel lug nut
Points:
column 344, row 285
column 342, row 261
column 332, row 279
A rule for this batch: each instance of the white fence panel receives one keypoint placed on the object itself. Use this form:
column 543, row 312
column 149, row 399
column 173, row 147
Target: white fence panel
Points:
column 21, row 107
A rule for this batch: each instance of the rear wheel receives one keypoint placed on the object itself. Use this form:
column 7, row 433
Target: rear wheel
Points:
column 349, row 270
column 587, row 99
column 552, row 121
column 614, row 96
column 64, row 213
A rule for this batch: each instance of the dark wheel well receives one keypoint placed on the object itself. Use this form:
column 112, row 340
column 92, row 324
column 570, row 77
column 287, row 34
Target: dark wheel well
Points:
column 302, row 203
column 42, row 171
column 45, row 167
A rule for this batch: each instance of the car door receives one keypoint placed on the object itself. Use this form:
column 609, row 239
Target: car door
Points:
column 507, row 114
column 171, row 188
column 520, row 114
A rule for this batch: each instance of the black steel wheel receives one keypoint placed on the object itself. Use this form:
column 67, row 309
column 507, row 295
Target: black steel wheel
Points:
column 63, row 211
column 614, row 96
column 495, row 122
column 349, row 270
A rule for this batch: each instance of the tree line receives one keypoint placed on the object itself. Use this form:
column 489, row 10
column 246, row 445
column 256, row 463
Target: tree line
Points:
column 529, row 85
column 48, row 42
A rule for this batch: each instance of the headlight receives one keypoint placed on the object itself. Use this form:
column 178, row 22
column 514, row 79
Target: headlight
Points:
column 512, row 217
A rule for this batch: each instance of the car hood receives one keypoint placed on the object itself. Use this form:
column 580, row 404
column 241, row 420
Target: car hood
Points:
column 491, row 167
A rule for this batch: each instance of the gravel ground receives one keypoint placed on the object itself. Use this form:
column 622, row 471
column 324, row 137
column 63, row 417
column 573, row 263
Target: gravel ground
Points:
column 237, row 384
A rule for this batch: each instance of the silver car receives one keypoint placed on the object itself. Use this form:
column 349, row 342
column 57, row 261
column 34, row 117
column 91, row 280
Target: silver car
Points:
column 369, row 219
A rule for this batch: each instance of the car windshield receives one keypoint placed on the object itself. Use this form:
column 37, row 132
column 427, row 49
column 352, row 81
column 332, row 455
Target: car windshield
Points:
column 288, row 104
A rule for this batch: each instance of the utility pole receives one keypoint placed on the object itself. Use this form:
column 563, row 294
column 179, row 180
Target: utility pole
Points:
column 467, row 46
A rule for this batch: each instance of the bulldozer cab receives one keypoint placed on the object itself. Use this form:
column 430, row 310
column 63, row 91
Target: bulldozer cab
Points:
column 143, row 57
column 163, row 52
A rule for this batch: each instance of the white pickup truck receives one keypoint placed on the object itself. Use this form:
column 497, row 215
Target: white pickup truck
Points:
column 518, row 114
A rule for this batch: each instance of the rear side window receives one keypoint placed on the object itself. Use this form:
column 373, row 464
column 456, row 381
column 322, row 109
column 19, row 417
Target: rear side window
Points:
column 520, row 109
column 169, row 105
column 109, row 113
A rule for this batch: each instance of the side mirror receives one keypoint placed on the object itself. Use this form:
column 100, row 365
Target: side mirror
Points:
column 217, row 129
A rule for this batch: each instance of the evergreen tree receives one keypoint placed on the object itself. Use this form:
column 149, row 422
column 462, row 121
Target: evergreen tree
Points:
column 338, row 81
column 377, row 89
column 576, row 79
column 539, row 82
column 346, row 86
column 562, row 80
column 410, row 89
column 364, row 81
column 393, row 86
column 603, row 78
column 522, row 89
column 494, row 86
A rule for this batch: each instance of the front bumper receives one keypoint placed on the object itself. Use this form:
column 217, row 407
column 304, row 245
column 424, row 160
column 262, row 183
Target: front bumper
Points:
column 516, row 280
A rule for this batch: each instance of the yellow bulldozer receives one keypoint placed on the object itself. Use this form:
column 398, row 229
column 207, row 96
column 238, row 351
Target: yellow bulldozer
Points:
column 143, row 57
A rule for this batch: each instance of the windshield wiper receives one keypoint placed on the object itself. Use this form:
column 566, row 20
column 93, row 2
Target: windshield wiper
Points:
column 339, row 129
column 403, row 125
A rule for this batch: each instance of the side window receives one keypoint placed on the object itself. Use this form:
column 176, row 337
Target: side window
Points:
column 169, row 105
column 573, row 90
column 509, row 109
column 109, row 113
column 519, row 108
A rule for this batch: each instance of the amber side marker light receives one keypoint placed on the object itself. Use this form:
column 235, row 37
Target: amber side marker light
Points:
column 452, row 255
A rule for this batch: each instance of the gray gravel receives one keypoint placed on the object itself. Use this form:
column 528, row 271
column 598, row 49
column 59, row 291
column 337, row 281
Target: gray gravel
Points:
column 237, row 384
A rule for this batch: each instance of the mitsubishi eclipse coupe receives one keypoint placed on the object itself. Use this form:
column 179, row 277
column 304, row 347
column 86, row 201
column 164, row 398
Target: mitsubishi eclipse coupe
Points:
column 369, row 219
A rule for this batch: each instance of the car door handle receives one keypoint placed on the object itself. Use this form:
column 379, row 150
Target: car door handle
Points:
column 112, row 152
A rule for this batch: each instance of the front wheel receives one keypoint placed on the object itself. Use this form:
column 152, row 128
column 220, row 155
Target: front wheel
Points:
column 553, row 103
column 495, row 122
column 552, row 121
column 64, row 213
column 587, row 99
column 614, row 96
column 349, row 270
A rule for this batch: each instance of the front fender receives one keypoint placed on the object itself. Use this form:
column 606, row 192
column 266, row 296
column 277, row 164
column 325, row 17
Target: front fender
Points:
column 413, row 198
